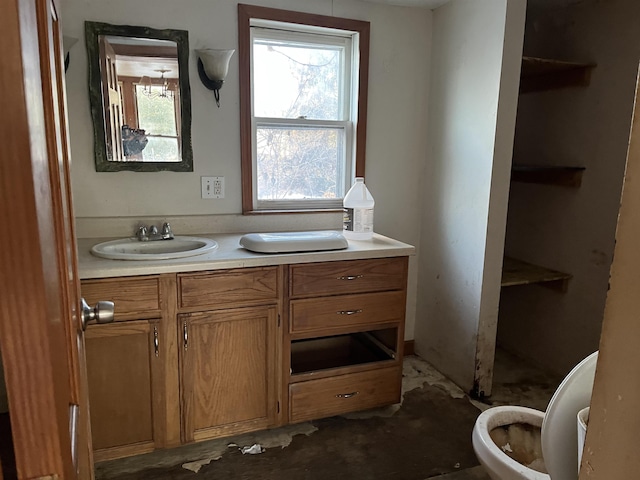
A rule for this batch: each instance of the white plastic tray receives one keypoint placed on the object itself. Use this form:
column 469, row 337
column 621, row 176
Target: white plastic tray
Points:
column 288, row 242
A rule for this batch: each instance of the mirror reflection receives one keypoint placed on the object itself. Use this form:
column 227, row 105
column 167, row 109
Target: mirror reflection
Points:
column 141, row 98
column 140, row 110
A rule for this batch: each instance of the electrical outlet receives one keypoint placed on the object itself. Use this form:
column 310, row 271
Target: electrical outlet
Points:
column 212, row 187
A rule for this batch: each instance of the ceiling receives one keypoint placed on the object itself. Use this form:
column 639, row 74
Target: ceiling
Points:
column 429, row 4
column 433, row 4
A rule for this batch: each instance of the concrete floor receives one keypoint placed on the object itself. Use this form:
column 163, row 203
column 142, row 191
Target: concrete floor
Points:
column 515, row 382
column 473, row 473
column 428, row 436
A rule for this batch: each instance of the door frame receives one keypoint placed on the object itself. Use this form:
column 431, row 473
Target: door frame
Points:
column 611, row 442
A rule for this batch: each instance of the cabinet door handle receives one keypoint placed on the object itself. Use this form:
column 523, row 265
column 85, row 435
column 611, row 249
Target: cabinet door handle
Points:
column 156, row 343
column 347, row 395
column 350, row 277
column 186, row 335
column 349, row 312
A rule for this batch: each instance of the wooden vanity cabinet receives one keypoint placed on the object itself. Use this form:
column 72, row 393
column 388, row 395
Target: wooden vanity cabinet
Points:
column 125, row 367
column 122, row 370
column 230, row 351
column 199, row 355
column 345, row 336
column 228, row 371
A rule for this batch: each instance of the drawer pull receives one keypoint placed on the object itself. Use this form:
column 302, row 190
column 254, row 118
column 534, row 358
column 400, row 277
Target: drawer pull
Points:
column 185, row 335
column 347, row 395
column 350, row 277
column 156, row 343
column 348, row 312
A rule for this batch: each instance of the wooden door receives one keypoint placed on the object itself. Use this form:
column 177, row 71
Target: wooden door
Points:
column 111, row 99
column 124, row 392
column 228, row 371
column 40, row 336
column 610, row 451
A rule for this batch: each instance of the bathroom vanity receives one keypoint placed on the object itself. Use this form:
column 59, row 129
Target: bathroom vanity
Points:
column 234, row 341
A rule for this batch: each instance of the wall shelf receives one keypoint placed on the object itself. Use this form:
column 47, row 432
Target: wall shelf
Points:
column 549, row 175
column 516, row 272
column 539, row 74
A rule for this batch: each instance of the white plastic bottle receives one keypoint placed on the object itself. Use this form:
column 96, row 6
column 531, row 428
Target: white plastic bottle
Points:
column 358, row 205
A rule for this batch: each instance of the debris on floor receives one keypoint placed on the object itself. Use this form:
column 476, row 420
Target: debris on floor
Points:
column 433, row 410
column 198, row 464
column 416, row 372
column 254, row 449
column 277, row 437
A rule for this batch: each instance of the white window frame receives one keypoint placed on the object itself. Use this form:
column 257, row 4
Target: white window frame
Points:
column 302, row 34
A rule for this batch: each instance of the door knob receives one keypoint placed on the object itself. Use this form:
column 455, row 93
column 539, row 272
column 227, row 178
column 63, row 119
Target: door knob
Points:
column 101, row 313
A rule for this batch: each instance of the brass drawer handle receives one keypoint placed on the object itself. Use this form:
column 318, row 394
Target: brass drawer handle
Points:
column 347, row 395
column 185, row 336
column 349, row 312
column 156, row 342
column 350, row 277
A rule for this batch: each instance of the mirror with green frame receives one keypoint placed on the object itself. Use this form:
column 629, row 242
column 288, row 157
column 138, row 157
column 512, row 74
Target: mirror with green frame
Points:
column 140, row 98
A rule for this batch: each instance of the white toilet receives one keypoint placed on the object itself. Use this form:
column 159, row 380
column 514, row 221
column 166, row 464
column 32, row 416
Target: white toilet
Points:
column 549, row 454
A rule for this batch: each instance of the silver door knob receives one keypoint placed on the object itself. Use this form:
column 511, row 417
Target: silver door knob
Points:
column 101, row 313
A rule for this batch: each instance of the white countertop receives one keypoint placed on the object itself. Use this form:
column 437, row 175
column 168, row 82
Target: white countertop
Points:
column 230, row 254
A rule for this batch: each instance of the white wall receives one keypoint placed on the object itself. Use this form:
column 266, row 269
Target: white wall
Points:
column 571, row 230
column 397, row 121
column 466, row 181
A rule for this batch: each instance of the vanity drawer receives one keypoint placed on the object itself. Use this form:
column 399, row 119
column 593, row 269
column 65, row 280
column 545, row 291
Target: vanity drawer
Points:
column 330, row 396
column 224, row 288
column 313, row 314
column 351, row 276
column 134, row 297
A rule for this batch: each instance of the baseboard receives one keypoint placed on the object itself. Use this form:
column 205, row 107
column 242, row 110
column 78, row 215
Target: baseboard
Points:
column 409, row 347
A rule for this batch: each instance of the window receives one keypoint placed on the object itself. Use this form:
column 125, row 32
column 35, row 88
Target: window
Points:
column 157, row 117
column 303, row 96
column 152, row 105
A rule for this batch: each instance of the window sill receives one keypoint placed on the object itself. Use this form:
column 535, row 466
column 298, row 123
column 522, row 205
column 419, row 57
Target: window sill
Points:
column 287, row 212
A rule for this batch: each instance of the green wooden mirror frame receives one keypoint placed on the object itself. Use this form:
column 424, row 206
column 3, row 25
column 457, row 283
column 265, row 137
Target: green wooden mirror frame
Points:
column 181, row 37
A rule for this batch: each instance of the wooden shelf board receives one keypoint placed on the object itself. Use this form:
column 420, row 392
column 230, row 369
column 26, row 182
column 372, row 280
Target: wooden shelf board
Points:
column 549, row 175
column 516, row 272
column 539, row 74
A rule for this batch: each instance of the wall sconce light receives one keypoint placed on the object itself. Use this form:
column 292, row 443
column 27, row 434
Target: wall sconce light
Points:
column 67, row 43
column 213, row 66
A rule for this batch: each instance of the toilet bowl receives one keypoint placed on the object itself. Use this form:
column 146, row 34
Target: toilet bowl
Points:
column 495, row 460
column 558, row 435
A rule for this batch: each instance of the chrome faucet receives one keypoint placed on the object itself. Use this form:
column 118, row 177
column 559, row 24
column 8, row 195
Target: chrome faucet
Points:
column 145, row 234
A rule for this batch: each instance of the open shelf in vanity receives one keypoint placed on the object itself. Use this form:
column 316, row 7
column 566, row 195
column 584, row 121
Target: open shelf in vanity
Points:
column 310, row 356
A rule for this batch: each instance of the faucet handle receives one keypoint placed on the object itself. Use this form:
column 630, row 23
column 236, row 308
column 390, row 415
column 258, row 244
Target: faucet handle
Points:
column 142, row 233
column 166, row 230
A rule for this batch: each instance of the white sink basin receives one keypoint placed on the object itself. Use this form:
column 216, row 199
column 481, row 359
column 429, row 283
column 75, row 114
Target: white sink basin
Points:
column 133, row 249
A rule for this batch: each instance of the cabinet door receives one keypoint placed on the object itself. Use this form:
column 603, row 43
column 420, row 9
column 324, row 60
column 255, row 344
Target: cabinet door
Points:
column 123, row 364
column 229, row 371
